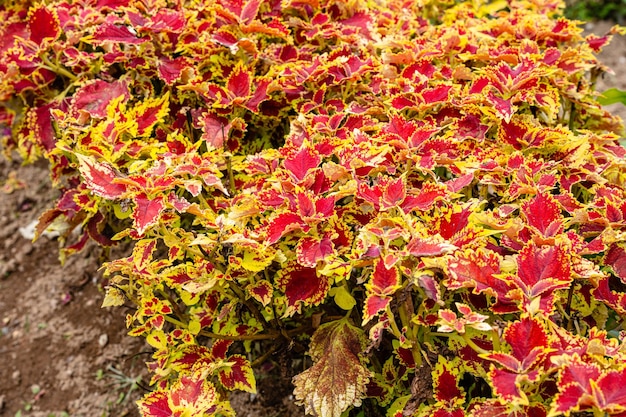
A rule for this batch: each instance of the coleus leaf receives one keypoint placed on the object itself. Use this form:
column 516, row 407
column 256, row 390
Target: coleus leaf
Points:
column 282, row 224
column 526, row 337
column 530, row 346
column 257, row 259
column 311, row 250
column 425, row 198
column 171, row 70
column 302, row 287
column 382, row 284
column 502, row 408
column 192, row 396
column 238, row 374
column 100, row 178
column 300, row 163
column 147, row 211
column 95, row 96
column 480, row 270
column 109, row 32
column 428, row 247
column 446, row 376
column 261, row 291
column 449, row 322
column 541, row 270
column 575, row 386
column 44, row 24
column 616, row 259
column 586, row 386
column 338, row 378
column 544, row 214
column 150, row 112
column 384, row 281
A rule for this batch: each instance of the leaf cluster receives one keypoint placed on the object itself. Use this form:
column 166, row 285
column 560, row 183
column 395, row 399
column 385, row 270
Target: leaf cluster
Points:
column 409, row 191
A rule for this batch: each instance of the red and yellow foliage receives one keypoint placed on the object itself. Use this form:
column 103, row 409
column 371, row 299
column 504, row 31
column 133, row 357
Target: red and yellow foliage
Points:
column 401, row 185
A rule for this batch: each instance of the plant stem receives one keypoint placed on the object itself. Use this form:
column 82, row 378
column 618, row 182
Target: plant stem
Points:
column 57, row 68
column 231, row 177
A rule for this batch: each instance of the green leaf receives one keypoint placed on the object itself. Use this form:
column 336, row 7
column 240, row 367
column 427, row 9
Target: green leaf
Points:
column 612, row 96
column 337, row 380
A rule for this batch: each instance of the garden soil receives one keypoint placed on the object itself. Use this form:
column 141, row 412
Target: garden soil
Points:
column 61, row 354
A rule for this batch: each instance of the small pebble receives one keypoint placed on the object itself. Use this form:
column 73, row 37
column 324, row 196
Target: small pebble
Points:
column 103, row 340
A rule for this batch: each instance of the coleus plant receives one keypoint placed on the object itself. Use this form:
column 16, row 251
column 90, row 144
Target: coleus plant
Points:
column 427, row 196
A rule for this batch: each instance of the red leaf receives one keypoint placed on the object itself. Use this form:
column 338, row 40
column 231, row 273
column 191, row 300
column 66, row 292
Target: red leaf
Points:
column 170, row 70
column 453, row 223
column 42, row 126
column 301, row 162
column 215, row 128
column 428, row 247
column 259, row 95
column 43, row 24
column 480, row 270
column 108, row 32
column 188, row 391
column 96, row 96
column 306, row 206
column 524, row 336
column 445, row 382
column 150, row 113
column 238, row 375
column 503, row 108
column 167, row 20
column 220, row 348
column 575, row 383
column 428, row 194
column 238, row 83
column 506, row 361
column 155, row 404
column 542, row 269
column 302, row 287
column 436, row 94
column 374, row 304
column 544, row 214
column 393, row 194
column 616, row 259
column 261, row 291
column 325, row 206
column 610, row 393
column 459, row 183
column 311, row 250
column 100, row 178
column 401, row 127
column 457, row 412
column 283, row 224
column 470, row 127
column 249, row 11
column 506, row 385
column 147, row 211
column 384, row 281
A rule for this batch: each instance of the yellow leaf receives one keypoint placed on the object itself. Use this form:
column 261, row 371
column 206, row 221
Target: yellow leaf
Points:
column 113, row 298
column 257, row 261
column 194, row 327
column 336, row 269
column 343, row 298
column 489, row 8
column 157, row 339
